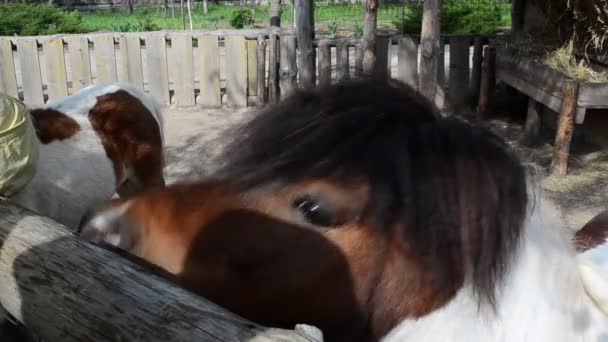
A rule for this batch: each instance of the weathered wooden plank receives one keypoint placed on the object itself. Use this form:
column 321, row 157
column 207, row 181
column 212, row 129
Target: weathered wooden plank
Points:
column 236, row 74
column 252, row 67
column 209, row 55
column 565, row 128
column 459, row 70
column 488, row 81
column 531, row 89
column 287, row 65
column 273, row 71
column 131, row 70
column 158, row 75
column 358, row 59
column 56, row 82
column 8, row 74
column 184, row 73
column 537, row 74
column 105, row 59
column 68, row 290
column 324, row 64
column 80, row 62
column 261, row 99
column 441, row 63
column 476, row 69
column 27, row 50
column 342, row 61
column 407, row 61
column 531, row 134
column 593, row 95
column 382, row 52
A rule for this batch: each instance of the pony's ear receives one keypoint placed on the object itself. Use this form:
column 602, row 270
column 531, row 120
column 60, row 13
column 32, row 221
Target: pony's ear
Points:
column 593, row 234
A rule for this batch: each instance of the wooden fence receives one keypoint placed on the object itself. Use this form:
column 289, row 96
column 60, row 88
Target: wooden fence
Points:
column 213, row 68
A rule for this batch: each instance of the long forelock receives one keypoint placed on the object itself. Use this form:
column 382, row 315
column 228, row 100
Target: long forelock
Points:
column 460, row 189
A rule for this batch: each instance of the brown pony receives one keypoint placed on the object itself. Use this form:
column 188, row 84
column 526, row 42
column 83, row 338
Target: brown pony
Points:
column 353, row 208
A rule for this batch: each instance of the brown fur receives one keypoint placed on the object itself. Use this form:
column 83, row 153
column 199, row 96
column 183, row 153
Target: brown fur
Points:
column 232, row 249
column 593, row 233
column 131, row 137
column 53, row 125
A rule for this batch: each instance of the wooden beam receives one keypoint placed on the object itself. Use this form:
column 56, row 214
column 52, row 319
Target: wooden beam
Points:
column 65, row 289
column 304, row 35
column 407, row 61
column 565, row 128
column 459, row 71
column 429, row 46
column 342, row 62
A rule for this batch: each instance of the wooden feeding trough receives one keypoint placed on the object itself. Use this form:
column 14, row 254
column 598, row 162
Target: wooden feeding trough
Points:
column 568, row 97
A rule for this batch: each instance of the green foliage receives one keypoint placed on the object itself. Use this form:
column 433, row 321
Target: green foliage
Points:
column 458, row 17
column 143, row 24
column 333, row 29
column 241, row 17
column 358, row 30
column 37, row 19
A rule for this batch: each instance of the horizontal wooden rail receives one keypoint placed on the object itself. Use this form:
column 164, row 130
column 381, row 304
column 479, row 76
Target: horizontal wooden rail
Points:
column 65, row 289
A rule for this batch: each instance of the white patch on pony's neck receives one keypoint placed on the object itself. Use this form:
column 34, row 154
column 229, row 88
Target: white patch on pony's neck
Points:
column 542, row 298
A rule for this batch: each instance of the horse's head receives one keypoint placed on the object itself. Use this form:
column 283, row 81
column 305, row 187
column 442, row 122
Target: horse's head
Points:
column 349, row 207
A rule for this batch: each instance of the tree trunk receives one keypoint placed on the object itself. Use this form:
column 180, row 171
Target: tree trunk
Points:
column 368, row 43
column 205, row 6
column 429, row 46
column 130, row 6
column 189, row 14
column 181, row 5
column 304, row 36
column 275, row 13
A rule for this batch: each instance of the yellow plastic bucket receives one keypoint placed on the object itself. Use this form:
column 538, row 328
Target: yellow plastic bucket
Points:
column 19, row 146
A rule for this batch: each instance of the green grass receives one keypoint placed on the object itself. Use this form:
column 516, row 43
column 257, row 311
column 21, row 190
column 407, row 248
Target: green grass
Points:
column 218, row 16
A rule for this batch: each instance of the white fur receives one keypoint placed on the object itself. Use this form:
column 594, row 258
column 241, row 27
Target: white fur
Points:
column 543, row 298
column 75, row 174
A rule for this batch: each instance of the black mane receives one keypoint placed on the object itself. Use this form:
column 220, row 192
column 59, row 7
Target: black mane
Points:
column 459, row 188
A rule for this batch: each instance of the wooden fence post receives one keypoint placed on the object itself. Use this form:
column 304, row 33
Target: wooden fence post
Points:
column 287, row 65
column 488, row 81
column 565, row 128
column 476, row 69
column 8, row 75
column 383, row 44
column 324, row 64
column 27, row 50
column 342, row 61
column 273, row 86
column 209, row 58
column 459, row 70
column 261, row 70
column 236, row 75
column 407, row 61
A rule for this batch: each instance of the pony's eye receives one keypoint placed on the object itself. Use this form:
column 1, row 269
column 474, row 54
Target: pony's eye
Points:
column 313, row 212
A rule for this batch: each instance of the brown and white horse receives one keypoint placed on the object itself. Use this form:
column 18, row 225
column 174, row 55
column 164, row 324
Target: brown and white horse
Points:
column 353, row 208
column 104, row 139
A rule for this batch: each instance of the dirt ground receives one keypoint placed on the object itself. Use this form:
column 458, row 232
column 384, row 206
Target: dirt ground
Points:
column 195, row 137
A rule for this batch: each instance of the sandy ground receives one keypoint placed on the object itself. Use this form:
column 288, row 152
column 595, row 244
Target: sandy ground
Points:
column 194, row 138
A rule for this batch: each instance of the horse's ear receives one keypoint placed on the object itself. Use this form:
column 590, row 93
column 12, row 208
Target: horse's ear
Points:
column 593, row 234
